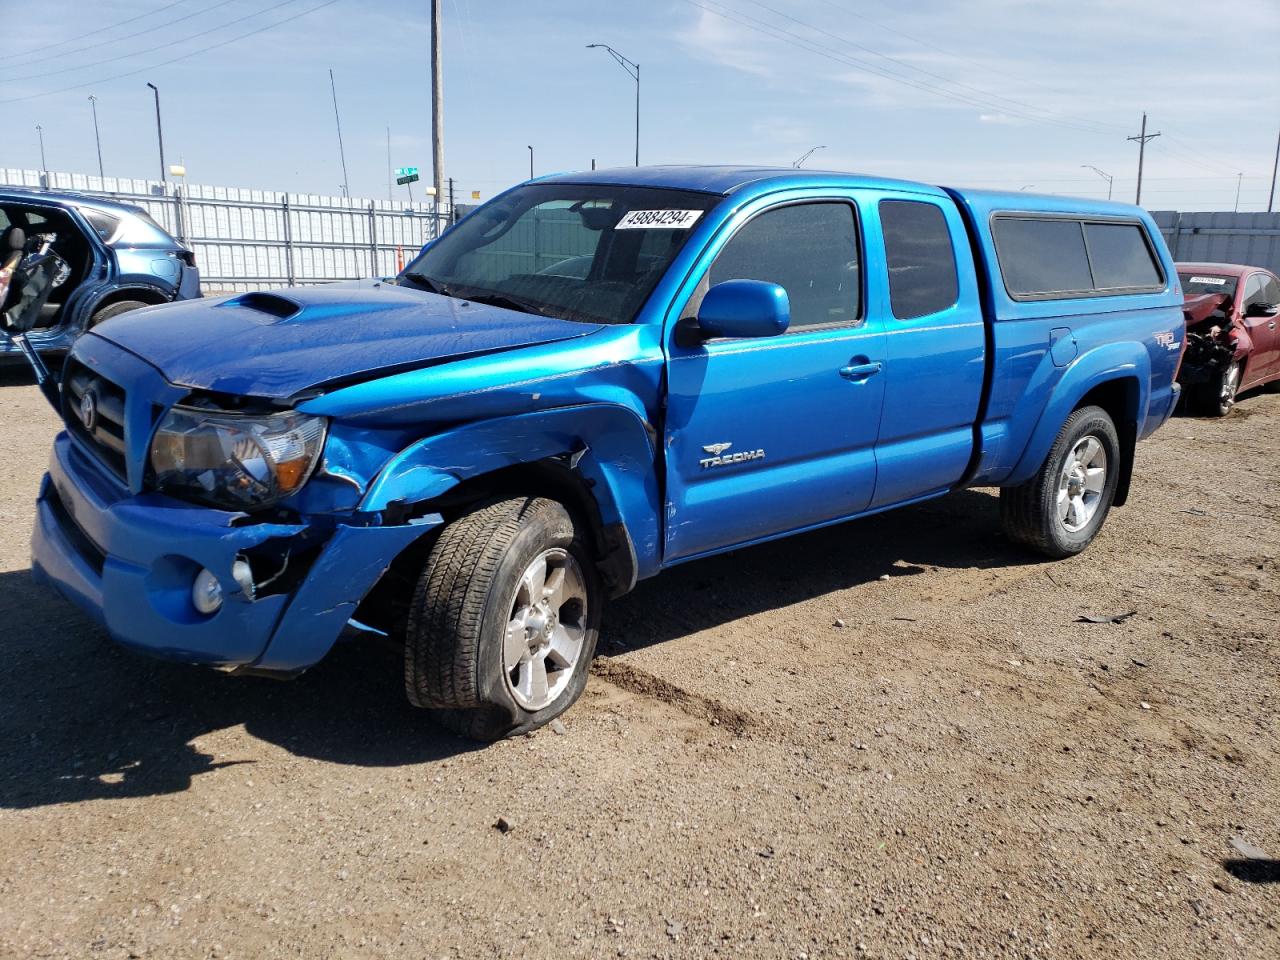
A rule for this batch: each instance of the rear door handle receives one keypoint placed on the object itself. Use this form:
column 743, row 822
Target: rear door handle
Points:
column 859, row 372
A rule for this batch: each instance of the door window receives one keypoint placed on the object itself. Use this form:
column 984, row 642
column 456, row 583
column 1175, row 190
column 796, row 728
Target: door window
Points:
column 922, row 263
column 1253, row 291
column 808, row 249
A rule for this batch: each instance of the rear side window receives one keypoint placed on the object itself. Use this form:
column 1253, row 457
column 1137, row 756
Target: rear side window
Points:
column 1042, row 257
column 921, row 258
column 1120, row 257
column 1050, row 258
column 808, row 249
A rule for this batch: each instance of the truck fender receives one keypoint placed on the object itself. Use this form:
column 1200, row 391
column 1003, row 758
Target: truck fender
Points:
column 1127, row 361
column 607, row 445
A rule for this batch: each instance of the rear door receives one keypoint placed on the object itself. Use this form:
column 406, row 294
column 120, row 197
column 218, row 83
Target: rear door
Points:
column 769, row 435
column 935, row 349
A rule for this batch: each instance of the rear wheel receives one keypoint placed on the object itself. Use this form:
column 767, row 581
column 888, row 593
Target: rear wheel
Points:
column 1061, row 509
column 504, row 620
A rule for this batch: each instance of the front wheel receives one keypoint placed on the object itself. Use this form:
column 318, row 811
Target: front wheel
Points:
column 1061, row 509
column 1220, row 392
column 504, row 620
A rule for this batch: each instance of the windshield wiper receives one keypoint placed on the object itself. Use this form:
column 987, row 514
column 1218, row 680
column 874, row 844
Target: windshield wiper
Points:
column 432, row 286
column 504, row 300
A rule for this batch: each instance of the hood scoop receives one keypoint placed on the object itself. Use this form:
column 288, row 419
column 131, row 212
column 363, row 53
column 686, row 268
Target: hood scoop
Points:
column 281, row 308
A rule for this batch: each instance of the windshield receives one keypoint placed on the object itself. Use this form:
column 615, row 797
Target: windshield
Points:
column 591, row 253
column 1194, row 283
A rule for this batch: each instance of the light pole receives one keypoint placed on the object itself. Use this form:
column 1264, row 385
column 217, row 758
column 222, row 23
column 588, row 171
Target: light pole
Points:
column 633, row 71
column 44, row 167
column 159, row 133
column 342, row 153
column 530, row 161
column 93, row 103
column 1103, row 174
column 807, row 154
column 1239, row 179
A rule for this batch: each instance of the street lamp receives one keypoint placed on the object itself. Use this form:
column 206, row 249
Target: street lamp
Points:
column 159, row 133
column 44, row 167
column 1103, row 174
column 93, row 102
column 807, row 154
column 530, row 162
column 633, row 70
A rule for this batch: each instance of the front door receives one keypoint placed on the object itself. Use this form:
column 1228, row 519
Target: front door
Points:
column 769, row 435
column 1261, row 363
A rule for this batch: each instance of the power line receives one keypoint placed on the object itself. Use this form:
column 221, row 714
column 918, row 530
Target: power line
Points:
column 99, row 30
column 910, row 66
column 169, row 43
column 786, row 36
column 177, row 59
column 114, row 40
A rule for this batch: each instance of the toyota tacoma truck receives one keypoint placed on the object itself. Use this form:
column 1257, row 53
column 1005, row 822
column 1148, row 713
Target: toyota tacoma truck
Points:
column 589, row 379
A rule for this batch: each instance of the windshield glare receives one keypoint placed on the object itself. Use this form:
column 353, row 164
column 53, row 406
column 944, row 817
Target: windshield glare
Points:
column 591, row 253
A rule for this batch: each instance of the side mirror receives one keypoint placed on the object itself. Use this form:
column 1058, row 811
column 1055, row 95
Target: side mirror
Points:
column 1262, row 310
column 744, row 308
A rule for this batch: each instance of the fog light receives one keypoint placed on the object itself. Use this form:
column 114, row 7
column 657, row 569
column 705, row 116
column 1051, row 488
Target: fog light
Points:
column 206, row 593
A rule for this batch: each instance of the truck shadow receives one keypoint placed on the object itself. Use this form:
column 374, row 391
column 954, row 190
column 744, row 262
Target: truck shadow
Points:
column 82, row 719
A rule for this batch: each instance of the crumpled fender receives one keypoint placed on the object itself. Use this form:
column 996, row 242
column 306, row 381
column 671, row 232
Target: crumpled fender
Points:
column 610, row 447
column 1112, row 361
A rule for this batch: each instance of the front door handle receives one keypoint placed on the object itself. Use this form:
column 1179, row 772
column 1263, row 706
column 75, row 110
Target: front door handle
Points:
column 860, row 372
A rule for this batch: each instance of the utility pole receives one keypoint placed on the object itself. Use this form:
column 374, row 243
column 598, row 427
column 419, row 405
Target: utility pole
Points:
column 437, row 110
column 44, row 167
column 633, row 71
column 93, row 102
column 342, row 153
column 1142, row 139
column 1271, row 197
column 1239, row 178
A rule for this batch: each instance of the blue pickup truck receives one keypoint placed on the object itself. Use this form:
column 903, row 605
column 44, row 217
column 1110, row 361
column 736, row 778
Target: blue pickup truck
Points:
column 589, row 379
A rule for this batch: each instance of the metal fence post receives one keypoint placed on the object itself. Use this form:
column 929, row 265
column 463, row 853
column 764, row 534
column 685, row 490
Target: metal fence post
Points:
column 288, row 239
column 373, row 242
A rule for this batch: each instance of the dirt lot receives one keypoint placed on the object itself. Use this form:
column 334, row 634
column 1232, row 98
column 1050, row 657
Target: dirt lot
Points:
column 961, row 769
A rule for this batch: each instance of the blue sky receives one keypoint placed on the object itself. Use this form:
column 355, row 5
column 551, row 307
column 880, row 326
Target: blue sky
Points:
column 998, row 93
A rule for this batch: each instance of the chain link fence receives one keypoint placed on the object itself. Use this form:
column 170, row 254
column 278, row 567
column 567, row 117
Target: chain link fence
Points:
column 260, row 239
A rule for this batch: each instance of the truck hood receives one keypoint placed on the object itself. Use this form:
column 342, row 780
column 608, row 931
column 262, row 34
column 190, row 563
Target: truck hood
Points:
column 281, row 344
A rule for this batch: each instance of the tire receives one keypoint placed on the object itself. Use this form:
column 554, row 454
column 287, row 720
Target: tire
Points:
column 478, row 586
column 1032, row 513
column 1218, row 396
column 114, row 310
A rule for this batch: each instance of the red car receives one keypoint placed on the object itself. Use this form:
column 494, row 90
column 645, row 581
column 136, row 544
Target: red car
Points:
column 1233, row 342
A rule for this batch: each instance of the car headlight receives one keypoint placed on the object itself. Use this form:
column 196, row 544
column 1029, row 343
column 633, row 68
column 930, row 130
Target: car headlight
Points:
column 235, row 460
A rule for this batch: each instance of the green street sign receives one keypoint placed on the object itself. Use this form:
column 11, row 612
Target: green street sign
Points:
column 407, row 172
column 411, row 178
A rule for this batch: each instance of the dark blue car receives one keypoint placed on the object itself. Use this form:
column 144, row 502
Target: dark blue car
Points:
column 117, row 259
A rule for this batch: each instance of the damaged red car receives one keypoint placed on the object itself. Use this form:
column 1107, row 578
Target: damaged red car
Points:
column 1233, row 343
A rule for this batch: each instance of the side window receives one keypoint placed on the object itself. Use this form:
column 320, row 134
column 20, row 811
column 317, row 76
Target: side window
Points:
column 922, row 264
column 810, row 250
column 1271, row 291
column 1120, row 257
column 1042, row 256
column 1253, row 291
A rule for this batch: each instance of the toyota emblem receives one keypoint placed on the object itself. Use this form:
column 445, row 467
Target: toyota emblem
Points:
column 89, row 410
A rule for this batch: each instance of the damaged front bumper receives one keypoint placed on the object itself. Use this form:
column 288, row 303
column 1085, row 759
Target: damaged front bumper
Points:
column 130, row 562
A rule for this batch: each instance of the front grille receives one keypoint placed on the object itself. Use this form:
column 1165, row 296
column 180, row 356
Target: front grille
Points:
column 99, row 422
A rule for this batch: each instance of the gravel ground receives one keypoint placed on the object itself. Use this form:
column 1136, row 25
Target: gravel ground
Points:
column 893, row 738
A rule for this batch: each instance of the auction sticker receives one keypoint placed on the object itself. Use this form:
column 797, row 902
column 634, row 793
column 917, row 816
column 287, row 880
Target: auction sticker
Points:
column 659, row 220
column 1213, row 281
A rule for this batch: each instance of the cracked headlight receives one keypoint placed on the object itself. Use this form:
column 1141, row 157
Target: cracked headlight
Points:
column 236, row 461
